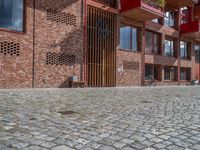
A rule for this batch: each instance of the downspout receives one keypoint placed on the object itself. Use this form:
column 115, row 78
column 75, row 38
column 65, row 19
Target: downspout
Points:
column 33, row 63
column 179, row 40
column 85, row 40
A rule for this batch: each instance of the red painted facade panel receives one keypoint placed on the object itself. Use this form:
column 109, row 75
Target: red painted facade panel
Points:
column 193, row 26
column 129, row 4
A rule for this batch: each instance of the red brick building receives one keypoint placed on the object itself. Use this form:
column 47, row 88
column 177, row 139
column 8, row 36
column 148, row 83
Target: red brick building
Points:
column 102, row 42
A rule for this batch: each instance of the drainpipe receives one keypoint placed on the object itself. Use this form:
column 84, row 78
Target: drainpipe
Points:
column 85, row 40
column 33, row 63
column 179, row 39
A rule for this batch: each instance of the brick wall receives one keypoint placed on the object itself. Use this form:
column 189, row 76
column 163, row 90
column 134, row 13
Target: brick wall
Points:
column 128, row 68
column 58, row 46
column 16, row 69
column 59, row 42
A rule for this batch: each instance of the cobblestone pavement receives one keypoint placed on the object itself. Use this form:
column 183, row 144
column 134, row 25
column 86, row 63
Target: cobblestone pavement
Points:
column 163, row 118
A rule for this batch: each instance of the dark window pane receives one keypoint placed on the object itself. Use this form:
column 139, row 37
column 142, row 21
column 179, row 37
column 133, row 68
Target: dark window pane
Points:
column 156, row 44
column 11, row 14
column 170, row 73
column 197, row 53
column 185, row 74
column 148, row 72
column 149, row 42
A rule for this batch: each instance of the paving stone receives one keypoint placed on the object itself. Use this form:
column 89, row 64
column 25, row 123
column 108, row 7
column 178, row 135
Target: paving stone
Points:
column 196, row 147
column 119, row 145
column 47, row 144
column 34, row 148
column 107, row 148
column 128, row 148
column 62, row 147
column 174, row 147
column 20, row 145
column 161, row 118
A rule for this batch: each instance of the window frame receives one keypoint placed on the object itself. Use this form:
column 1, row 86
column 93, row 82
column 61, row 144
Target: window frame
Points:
column 187, row 53
column 175, row 75
column 187, row 16
column 24, row 22
column 174, row 47
column 155, row 70
column 170, row 19
column 197, row 53
column 187, row 72
column 131, row 38
column 153, row 42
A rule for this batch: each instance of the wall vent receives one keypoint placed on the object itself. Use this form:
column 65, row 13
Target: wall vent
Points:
column 9, row 48
column 60, row 59
column 130, row 65
column 61, row 17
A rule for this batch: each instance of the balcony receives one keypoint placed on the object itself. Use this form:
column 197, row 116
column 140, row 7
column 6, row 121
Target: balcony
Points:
column 197, row 12
column 191, row 30
column 141, row 10
column 180, row 3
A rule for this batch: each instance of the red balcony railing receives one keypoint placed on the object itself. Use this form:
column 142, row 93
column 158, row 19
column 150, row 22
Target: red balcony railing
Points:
column 191, row 29
column 142, row 10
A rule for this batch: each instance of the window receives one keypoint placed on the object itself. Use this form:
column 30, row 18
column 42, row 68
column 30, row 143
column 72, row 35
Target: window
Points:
column 169, row 19
column 184, row 50
column 156, row 20
column 185, row 15
column 170, row 73
column 169, row 48
column 152, row 71
column 152, row 43
column 128, row 38
column 185, row 74
column 11, row 14
column 197, row 53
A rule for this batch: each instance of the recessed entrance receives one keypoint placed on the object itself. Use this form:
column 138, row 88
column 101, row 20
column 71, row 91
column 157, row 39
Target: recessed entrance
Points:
column 101, row 56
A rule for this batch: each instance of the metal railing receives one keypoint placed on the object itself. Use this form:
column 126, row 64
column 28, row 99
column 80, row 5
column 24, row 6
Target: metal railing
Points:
column 153, row 3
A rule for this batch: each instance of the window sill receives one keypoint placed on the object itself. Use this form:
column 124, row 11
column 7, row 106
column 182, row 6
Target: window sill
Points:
column 155, row 80
column 170, row 81
column 12, row 31
column 184, row 80
column 186, row 59
column 152, row 54
column 171, row 57
column 126, row 50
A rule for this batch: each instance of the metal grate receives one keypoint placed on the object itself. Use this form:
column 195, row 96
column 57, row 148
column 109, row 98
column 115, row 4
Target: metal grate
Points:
column 130, row 65
column 67, row 112
column 60, row 59
column 61, row 17
column 9, row 48
column 101, row 55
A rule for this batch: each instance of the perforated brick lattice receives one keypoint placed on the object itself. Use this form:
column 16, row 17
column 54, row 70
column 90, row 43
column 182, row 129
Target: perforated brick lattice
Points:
column 60, row 59
column 9, row 48
column 130, row 65
column 61, row 17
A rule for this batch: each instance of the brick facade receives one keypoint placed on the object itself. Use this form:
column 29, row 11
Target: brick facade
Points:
column 52, row 48
column 55, row 30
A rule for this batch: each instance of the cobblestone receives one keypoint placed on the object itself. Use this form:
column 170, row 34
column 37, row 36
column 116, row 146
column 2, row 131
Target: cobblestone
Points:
column 160, row 118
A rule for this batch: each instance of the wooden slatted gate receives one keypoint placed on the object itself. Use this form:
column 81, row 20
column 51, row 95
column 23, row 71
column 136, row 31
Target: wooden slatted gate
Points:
column 101, row 56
